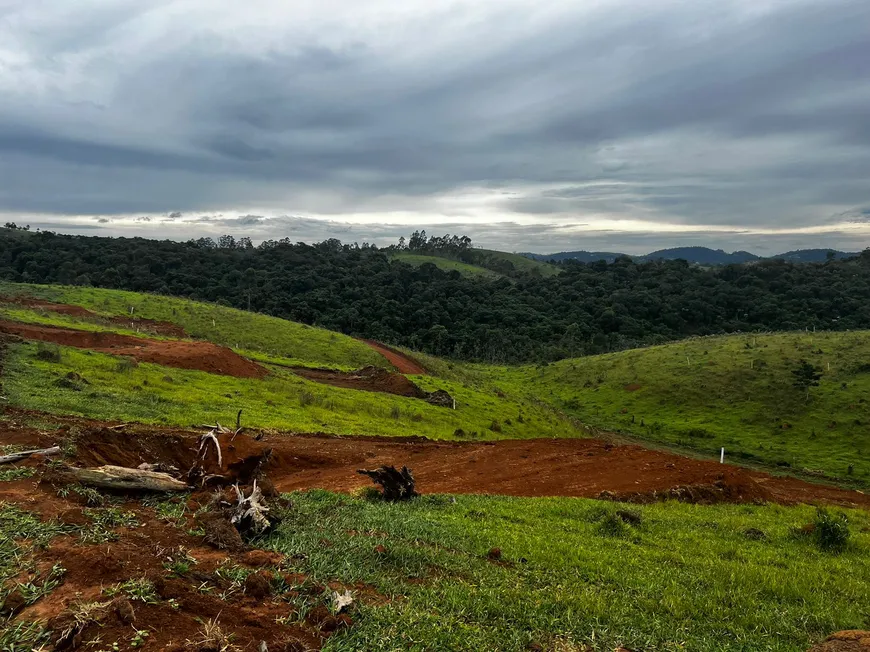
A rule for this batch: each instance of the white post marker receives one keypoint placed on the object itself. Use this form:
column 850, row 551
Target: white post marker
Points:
column 722, row 456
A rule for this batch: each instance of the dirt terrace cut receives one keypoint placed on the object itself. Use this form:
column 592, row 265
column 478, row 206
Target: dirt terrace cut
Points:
column 369, row 379
column 134, row 323
column 201, row 356
column 402, row 362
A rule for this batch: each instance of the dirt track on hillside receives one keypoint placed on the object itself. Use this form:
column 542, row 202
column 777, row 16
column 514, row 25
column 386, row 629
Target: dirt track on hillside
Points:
column 402, row 362
column 367, row 379
column 201, row 356
column 541, row 467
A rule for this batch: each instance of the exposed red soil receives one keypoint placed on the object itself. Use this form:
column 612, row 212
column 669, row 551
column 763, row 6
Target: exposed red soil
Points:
column 401, row 361
column 134, row 323
column 540, row 467
column 201, row 356
column 251, row 613
column 851, row 640
column 369, row 379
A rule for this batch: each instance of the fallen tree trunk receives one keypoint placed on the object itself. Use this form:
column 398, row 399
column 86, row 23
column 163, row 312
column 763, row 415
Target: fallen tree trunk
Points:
column 17, row 457
column 119, row 477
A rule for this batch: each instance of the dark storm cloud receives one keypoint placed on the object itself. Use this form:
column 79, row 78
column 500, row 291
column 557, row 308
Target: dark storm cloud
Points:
column 736, row 113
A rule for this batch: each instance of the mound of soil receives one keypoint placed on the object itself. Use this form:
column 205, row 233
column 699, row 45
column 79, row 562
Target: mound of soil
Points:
column 134, row 323
column 852, row 640
column 369, row 379
column 201, row 356
column 403, row 363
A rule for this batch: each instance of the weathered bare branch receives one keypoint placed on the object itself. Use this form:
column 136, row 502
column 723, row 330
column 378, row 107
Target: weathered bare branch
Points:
column 203, row 447
column 22, row 455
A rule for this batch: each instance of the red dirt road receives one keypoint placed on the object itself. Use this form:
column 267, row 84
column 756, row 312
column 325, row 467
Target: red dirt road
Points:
column 201, row 356
column 399, row 360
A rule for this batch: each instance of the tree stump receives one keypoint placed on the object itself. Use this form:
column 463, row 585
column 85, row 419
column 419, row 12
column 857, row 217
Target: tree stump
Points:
column 396, row 485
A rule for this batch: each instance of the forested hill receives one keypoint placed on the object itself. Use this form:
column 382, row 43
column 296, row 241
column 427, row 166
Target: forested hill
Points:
column 588, row 308
column 699, row 255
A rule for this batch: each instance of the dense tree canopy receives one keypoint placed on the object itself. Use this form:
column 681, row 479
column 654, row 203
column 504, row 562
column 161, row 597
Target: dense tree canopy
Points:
column 589, row 308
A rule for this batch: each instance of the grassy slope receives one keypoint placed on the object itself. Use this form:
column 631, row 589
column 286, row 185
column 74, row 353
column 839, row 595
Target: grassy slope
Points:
column 733, row 391
column 525, row 264
column 699, row 394
column 155, row 394
column 471, row 271
column 219, row 324
column 686, row 578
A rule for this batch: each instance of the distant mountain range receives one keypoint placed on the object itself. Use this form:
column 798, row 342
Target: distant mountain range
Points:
column 699, row 255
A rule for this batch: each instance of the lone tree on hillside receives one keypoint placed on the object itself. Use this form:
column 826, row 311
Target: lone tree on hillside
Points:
column 806, row 376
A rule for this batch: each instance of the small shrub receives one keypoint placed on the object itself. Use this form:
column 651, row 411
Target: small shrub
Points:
column 395, row 412
column 612, row 526
column 370, row 494
column 459, row 433
column 831, row 530
column 306, row 398
column 629, row 516
column 18, row 473
column 48, row 352
column 141, row 589
column 754, row 534
column 495, row 426
column 126, row 365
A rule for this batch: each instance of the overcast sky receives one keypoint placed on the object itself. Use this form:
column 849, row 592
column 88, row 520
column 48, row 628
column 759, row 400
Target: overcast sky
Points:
column 530, row 126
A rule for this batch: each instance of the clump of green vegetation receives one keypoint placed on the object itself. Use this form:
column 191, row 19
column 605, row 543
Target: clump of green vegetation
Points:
column 831, row 530
column 105, row 520
column 35, row 589
column 22, row 636
column 91, row 496
column 141, row 589
column 47, row 352
column 21, row 534
column 7, row 475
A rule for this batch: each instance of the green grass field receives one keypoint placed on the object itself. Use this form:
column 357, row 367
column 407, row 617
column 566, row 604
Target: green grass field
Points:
column 573, row 574
column 735, row 391
column 218, row 324
column 524, row 264
column 149, row 393
column 471, row 271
